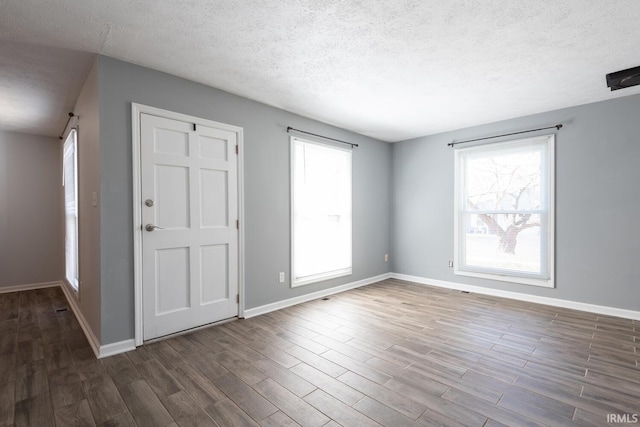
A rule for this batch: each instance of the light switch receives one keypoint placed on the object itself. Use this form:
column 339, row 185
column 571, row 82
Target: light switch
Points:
column 94, row 198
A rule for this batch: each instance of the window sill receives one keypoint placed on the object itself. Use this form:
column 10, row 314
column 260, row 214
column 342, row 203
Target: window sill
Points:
column 544, row 283
column 74, row 289
column 321, row 277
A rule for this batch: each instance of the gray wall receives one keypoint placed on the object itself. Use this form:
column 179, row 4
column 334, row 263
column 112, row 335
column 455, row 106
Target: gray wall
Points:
column 597, row 203
column 266, row 163
column 88, row 215
column 31, row 220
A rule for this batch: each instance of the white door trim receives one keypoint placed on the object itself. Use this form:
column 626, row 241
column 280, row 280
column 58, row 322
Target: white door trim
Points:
column 136, row 111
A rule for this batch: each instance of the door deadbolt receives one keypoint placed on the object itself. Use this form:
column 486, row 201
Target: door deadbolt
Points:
column 148, row 202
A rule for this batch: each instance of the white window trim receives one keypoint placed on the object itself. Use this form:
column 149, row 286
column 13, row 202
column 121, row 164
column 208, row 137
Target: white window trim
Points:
column 522, row 279
column 330, row 274
column 75, row 286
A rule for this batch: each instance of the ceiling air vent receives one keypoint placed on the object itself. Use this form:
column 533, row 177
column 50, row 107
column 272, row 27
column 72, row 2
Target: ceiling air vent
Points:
column 625, row 78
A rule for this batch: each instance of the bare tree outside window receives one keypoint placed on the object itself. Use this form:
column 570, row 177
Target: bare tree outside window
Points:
column 504, row 214
column 508, row 185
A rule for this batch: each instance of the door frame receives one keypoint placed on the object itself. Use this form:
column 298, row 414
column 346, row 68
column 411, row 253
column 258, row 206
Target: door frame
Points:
column 136, row 111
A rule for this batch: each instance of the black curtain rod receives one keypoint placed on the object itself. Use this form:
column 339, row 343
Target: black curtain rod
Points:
column 557, row 127
column 289, row 128
column 71, row 116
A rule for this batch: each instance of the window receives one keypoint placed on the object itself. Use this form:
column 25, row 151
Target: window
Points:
column 321, row 211
column 504, row 211
column 70, row 182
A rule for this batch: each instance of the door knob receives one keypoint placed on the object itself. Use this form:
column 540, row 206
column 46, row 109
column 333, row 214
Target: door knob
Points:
column 151, row 227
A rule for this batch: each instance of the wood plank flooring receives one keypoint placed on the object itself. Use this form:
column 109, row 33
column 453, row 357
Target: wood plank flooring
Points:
column 392, row 353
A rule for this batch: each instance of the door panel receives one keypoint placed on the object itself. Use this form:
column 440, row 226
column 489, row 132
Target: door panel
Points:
column 213, row 148
column 215, row 262
column 172, row 196
column 190, row 261
column 214, row 197
column 172, row 280
column 169, row 141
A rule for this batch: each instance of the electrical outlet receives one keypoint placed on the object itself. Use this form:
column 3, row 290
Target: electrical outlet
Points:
column 281, row 277
column 451, row 264
column 386, row 257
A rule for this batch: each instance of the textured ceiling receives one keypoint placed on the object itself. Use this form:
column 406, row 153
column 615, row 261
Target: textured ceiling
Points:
column 38, row 86
column 390, row 69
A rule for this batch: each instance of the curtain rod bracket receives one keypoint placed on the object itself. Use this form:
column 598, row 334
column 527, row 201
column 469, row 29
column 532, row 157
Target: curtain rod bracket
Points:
column 71, row 116
column 289, row 128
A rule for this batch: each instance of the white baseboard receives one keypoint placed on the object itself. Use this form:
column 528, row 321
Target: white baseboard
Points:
column 555, row 302
column 267, row 308
column 117, row 348
column 28, row 287
column 73, row 302
column 99, row 350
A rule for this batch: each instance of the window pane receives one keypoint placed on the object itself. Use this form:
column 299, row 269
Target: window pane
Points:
column 504, row 211
column 507, row 179
column 70, row 173
column 71, row 249
column 321, row 211
column 517, row 248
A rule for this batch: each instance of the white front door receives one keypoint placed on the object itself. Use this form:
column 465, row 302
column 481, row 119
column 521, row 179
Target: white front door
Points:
column 189, row 211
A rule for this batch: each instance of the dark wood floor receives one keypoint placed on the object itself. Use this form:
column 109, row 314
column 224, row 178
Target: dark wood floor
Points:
column 392, row 353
